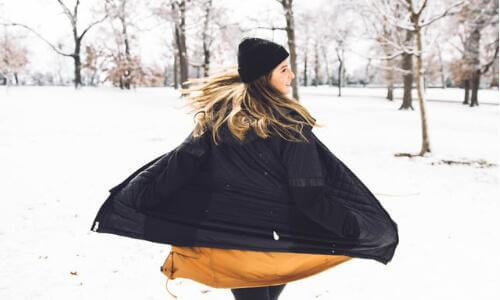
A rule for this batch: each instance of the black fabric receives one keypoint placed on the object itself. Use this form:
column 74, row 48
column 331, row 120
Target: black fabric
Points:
column 265, row 195
column 257, row 57
column 258, row 293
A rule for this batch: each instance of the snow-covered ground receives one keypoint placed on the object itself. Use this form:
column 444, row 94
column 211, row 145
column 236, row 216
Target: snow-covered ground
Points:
column 61, row 150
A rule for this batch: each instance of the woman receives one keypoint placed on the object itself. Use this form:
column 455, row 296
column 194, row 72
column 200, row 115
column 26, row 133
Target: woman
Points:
column 251, row 199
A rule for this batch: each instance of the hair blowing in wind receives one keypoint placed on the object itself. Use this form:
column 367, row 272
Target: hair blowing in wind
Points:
column 257, row 105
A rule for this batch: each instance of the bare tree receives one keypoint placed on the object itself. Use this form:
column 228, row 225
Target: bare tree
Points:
column 324, row 40
column 174, row 12
column 408, row 70
column 327, row 68
column 306, row 82
column 305, row 23
column 477, row 15
column 386, row 56
column 211, row 28
column 13, row 56
column 494, row 73
column 390, row 63
column 206, row 36
column 41, row 79
column 95, row 60
column 290, row 32
column 434, row 67
column 340, row 50
column 72, row 15
column 179, row 15
column 127, row 69
column 341, row 37
column 441, row 67
column 317, row 76
column 176, row 66
column 475, row 27
column 413, row 22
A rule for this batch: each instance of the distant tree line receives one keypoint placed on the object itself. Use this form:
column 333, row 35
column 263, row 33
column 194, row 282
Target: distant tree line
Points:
column 458, row 43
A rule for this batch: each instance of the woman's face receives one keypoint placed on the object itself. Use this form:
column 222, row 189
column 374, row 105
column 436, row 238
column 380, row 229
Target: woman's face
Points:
column 282, row 76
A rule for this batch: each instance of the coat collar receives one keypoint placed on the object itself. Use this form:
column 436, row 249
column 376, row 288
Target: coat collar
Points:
column 228, row 138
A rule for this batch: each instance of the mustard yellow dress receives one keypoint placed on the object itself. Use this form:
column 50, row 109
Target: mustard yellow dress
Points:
column 229, row 268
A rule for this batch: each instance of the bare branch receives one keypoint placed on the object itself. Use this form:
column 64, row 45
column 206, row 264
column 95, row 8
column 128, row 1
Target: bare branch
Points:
column 389, row 57
column 443, row 14
column 455, row 46
column 397, row 46
column 92, row 25
column 419, row 12
column 392, row 20
column 75, row 10
column 67, row 12
column 404, row 3
column 41, row 37
column 270, row 28
column 493, row 59
column 401, row 71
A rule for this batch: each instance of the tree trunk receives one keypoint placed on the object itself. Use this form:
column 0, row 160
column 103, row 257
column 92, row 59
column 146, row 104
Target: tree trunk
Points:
column 165, row 77
column 316, row 81
column 466, row 91
column 367, row 72
column 441, row 68
column 494, row 71
column 290, row 32
column 180, row 38
column 407, row 81
column 340, row 77
column 390, row 92
column 476, row 79
column 474, row 65
column 127, row 75
column 340, row 70
column 206, row 50
column 325, row 57
column 78, row 68
column 389, row 64
column 408, row 75
column 305, row 68
column 176, row 67
column 344, row 71
column 426, row 147
column 389, row 75
column 206, row 62
column 77, row 59
column 16, row 78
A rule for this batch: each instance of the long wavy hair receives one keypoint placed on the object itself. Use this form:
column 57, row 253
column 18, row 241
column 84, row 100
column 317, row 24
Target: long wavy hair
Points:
column 257, row 106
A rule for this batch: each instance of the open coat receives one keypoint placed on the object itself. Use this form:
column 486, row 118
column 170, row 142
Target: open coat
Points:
column 261, row 194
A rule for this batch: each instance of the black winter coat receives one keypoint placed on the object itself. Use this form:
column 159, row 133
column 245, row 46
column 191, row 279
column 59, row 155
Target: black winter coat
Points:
column 262, row 194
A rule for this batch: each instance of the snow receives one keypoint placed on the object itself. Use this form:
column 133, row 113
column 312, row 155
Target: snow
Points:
column 61, row 150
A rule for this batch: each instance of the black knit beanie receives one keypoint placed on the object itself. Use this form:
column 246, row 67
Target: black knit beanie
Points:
column 257, row 57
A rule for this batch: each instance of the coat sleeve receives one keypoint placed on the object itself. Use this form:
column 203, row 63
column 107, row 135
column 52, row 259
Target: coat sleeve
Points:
column 307, row 187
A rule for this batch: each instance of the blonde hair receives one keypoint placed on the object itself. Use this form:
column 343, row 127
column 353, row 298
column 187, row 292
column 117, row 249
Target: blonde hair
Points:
column 257, row 105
